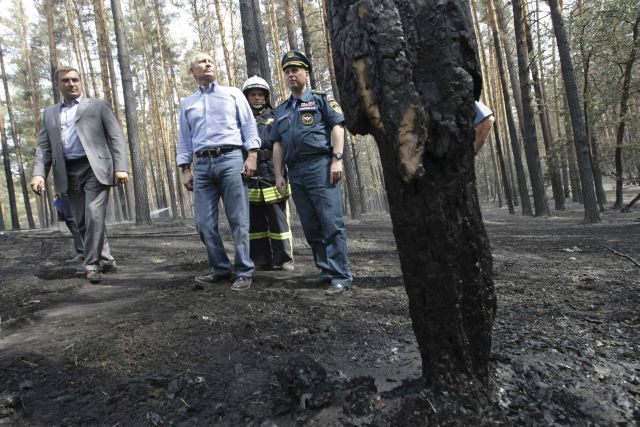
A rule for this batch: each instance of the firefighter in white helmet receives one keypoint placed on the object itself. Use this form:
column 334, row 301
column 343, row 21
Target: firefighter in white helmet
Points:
column 269, row 231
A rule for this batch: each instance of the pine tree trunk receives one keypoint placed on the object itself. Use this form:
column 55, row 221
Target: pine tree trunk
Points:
column 16, row 142
column 290, row 23
column 231, row 80
column 591, row 213
column 419, row 109
column 140, row 181
column 513, row 131
column 53, row 51
column 306, row 40
column 552, row 163
column 13, row 206
column 530, row 137
column 277, row 54
column 251, row 47
column 622, row 117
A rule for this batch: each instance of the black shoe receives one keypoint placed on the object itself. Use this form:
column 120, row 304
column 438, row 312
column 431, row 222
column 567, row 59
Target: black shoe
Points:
column 317, row 280
column 242, row 283
column 211, row 278
column 76, row 259
column 109, row 268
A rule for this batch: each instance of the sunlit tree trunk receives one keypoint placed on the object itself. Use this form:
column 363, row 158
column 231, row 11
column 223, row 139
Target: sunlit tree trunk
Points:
column 277, row 53
column 13, row 206
column 53, row 50
column 292, row 35
column 140, row 182
column 225, row 48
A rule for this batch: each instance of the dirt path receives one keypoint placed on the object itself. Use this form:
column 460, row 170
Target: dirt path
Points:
column 146, row 348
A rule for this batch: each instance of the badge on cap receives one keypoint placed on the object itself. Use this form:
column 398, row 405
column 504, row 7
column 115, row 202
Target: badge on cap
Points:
column 290, row 54
column 307, row 119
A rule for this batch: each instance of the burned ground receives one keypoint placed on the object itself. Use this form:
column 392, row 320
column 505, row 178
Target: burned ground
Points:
column 145, row 347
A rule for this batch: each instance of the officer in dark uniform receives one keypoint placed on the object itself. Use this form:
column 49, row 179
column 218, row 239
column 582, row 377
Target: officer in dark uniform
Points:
column 269, row 232
column 308, row 135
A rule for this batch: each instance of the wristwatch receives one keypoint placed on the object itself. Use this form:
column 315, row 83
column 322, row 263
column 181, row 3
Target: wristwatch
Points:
column 338, row 156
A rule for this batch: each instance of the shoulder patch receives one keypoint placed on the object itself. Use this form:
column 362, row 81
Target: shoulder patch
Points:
column 330, row 97
column 335, row 106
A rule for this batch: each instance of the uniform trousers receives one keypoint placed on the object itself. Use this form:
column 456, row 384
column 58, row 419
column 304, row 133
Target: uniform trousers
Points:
column 319, row 205
column 270, row 234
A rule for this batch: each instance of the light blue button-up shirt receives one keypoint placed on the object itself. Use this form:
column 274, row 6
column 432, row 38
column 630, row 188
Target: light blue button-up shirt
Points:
column 72, row 146
column 212, row 117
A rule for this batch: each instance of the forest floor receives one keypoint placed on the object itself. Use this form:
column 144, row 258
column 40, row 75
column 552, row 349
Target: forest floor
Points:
column 147, row 348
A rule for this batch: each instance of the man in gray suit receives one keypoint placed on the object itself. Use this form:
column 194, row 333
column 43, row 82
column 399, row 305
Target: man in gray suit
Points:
column 82, row 140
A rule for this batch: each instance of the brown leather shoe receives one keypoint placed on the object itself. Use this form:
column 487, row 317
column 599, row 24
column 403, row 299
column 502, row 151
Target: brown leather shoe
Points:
column 94, row 276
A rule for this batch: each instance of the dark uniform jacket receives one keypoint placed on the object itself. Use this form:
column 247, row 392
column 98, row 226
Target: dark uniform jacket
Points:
column 265, row 170
column 305, row 130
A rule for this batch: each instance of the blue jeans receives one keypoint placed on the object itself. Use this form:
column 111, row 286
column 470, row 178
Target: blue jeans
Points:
column 319, row 205
column 215, row 177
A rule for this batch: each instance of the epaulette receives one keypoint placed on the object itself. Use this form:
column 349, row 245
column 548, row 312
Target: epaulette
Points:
column 319, row 92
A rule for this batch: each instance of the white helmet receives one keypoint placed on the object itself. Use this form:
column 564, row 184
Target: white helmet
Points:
column 256, row 82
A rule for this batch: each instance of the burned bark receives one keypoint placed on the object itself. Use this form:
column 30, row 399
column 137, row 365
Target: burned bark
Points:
column 412, row 70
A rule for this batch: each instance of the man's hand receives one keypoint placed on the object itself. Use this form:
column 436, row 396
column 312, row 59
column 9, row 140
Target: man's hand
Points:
column 336, row 171
column 250, row 165
column 37, row 184
column 281, row 184
column 186, row 178
column 122, row 177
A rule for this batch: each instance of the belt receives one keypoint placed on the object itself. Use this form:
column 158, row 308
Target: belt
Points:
column 215, row 152
column 77, row 160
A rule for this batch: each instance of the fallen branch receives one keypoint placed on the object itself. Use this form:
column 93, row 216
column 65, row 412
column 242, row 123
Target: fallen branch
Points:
column 622, row 255
column 628, row 207
column 119, row 236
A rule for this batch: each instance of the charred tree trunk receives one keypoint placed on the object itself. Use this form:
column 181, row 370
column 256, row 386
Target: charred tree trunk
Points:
column 143, row 215
column 306, row 40
column 622, row 117
column 591, row 213
column 420, row 109
column 251, row 47
column 265, row 68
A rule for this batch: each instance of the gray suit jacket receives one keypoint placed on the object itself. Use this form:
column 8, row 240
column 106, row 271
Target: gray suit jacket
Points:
column 101, row 138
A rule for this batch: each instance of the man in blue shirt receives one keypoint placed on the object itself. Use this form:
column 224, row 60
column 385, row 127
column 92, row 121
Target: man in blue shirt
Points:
column 308, row 135
column 482, row 122
column 216, row 123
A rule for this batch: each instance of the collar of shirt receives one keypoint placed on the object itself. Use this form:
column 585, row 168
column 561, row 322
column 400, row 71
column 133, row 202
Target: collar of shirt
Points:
column 72, row 103
column 306, row 97
column 208, row 89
